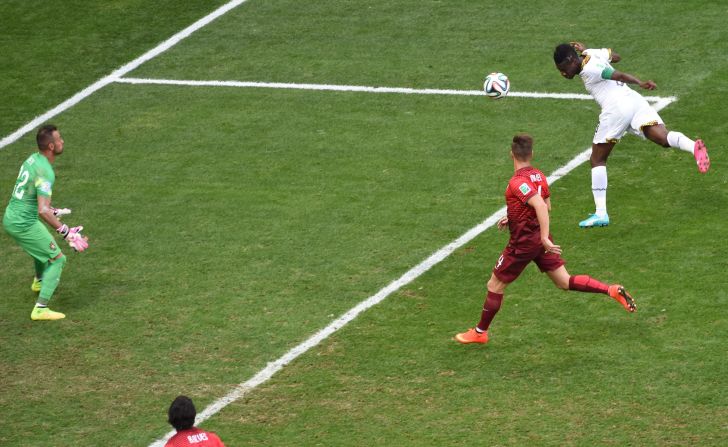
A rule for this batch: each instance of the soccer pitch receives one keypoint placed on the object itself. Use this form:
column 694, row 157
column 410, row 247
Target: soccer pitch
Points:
column 289, row 207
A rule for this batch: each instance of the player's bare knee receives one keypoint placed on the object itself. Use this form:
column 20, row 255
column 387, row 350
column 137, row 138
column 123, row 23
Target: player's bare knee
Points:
column 495, row 285
column 560, row 281
column 657, row 134
column 659, row 139
column 598, row 159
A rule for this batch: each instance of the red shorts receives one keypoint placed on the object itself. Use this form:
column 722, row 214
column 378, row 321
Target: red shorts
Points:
column 512, row 262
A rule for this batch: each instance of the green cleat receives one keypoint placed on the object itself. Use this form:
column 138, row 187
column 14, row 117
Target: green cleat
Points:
column 43, row 313
column 37, row 283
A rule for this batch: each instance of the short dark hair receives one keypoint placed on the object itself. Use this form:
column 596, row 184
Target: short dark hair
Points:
column 182, row 413
column 522, row 146
column 564, row 52
column 44, row 137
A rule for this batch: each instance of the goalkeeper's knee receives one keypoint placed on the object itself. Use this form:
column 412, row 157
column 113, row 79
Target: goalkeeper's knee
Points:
column 59, row 260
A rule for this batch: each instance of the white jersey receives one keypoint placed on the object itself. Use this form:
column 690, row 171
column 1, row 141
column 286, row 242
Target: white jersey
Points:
column 596, row 71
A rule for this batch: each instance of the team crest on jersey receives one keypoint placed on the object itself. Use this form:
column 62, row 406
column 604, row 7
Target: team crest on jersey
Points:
column 53, row 246
column 524, row 188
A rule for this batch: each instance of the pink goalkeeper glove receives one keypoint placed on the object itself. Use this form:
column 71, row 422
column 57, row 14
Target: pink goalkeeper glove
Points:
column 74, row 237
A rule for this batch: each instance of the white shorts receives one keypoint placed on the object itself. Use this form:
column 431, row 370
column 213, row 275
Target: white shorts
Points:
column 630, row 114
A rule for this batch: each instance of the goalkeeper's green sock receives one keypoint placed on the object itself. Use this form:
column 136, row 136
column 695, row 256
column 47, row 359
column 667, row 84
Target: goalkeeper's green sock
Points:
column 51, row 277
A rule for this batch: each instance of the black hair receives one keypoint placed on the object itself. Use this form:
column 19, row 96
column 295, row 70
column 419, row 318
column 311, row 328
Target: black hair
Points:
column 522, row 146
column 564, row 52
column 44, row 137
column 182, row 413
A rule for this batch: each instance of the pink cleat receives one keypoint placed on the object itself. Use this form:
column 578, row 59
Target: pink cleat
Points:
column 701, row 156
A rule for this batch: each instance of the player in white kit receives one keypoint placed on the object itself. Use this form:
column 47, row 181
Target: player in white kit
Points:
column 623, row 110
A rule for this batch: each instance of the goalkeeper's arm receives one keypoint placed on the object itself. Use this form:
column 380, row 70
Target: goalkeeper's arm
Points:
column 50, row 215
column 45, row 212
column 60, row 212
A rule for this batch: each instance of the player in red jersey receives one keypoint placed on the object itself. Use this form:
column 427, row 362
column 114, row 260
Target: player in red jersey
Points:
column 182, row 417
column 528, row 205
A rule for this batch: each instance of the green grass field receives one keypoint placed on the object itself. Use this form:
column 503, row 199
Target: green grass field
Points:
column 228, row 225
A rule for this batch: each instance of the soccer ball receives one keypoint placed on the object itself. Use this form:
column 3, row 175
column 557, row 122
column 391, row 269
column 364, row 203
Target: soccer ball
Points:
column 496, row 85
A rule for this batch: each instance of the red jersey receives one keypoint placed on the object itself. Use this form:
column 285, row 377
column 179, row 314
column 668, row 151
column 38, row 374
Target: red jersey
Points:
column 194, row 437
column 522, row 221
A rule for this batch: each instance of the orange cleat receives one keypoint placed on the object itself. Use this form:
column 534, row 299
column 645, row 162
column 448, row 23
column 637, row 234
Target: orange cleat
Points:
column 472, row 336
column 700, row 152
column 625, row 299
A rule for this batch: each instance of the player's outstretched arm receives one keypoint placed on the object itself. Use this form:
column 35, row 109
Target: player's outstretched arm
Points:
column 631, row 79
column 72, row 235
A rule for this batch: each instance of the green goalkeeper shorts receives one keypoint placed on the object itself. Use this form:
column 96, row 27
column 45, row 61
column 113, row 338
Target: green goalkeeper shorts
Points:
column 35, row 240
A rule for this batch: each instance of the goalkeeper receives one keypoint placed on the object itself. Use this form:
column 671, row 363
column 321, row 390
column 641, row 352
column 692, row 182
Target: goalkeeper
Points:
column 31, row 199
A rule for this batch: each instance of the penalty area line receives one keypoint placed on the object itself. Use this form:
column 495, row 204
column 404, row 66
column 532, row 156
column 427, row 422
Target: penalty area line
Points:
column 362, row 88
column 273, row 367
column 119, row 72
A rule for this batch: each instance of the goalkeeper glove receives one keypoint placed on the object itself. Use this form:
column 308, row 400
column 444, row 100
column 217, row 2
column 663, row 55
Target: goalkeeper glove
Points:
column 60, row 212
column 74, row 237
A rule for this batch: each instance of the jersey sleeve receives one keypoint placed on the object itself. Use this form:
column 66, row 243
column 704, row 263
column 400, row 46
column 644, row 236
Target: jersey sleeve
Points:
column 596, row 65
column 217, row 442
column 522, row 188
column 602, row 53
column 43, row 184
column 545, row 191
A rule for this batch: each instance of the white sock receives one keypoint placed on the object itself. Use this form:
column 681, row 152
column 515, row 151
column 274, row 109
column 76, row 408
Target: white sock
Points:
column 678, row 140
column 599, row 190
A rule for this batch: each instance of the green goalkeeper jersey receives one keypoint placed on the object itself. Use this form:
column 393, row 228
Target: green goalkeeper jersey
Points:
column 35, row 179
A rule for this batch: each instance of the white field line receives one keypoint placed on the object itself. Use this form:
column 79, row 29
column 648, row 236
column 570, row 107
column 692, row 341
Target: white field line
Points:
column 273, row 367
column 366, row 89
column 119, row 72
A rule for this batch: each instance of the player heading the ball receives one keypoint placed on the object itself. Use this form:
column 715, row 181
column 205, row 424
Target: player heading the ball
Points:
column 623, row 110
